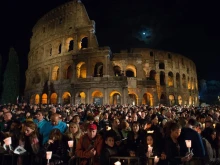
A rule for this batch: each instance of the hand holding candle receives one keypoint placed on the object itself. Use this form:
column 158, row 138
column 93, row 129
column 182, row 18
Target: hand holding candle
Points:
column 117, row 163
column 188, row 144
column 156, row 159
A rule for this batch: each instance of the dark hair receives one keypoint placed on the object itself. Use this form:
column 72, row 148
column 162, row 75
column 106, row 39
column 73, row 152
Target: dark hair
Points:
column 193, row 122
column 174, row 126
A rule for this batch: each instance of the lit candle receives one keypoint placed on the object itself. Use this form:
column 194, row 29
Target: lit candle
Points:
column 70, row 143
column 7, row 141
column 203, row 125
column 213, row 125
column 48, row 155
column 67, row 125
column 188, row 143
column 150, row 149
column 117, row 163
column 156, row 159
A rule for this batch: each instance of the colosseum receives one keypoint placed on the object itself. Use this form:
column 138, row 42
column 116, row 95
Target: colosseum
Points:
column 66, row 65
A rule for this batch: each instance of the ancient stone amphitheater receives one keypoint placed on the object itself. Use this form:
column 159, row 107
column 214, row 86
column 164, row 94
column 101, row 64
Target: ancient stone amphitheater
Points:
column 66, row 65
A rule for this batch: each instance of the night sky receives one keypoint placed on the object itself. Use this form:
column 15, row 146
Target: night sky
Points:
column 188, row 27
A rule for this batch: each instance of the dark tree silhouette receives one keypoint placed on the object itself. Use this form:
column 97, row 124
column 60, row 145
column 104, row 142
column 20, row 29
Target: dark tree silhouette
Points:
column 11, row 79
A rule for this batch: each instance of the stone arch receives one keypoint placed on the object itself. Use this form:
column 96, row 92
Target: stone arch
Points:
column 130, row 71
column 115, row 98
column 184, row 81
column 60, row 48
column 152, row 75
column 117, row 70
column 53, row 98
column 84, row 42
column 98, row 70
column 180, row 101
column 55, row 73
column 97, row 97
column 177, row 80
column 189, row 83
column 192, row 82
column 69, row 44
column 32, row 99
column 163, row 99
column 170, row 79
column 147, row 99
column 162, row 78
column 161, row 65
column 44, row 99
column 66, row 98
column 172, row 100
column 132, row 98
column 37, row 99
column 190, row 100
column 80, row 98
column 81, row 70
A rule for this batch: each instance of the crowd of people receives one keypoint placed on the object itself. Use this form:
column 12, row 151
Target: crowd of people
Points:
column 175, row 134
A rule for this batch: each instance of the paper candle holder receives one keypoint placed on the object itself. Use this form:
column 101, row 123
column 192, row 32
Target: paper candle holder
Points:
column 48, row 155
column 7, row 141
column 70, row 143
column 117, row 163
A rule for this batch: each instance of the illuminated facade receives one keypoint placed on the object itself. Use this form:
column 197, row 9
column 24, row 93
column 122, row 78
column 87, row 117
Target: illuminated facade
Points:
column 66, row 65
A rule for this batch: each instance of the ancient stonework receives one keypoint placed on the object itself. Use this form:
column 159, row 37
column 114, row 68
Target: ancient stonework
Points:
column 66, row 65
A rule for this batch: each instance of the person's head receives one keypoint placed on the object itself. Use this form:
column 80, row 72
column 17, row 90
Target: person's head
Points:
column 55, row 118
column 7, row 116
column 73, row 128
column 92, row 131
column 39, row 115
column 143, row 114
column 115, row 123
column 76, row 119
column 192, row 123
column 109, row 140
column 134, row 117
column 150, row 139
column 135, row 127
column 105, row 115
column 175, row 130
column 30, row 128
column 16, row 124
column 154, row 119
column 55, row 134
column 53, row 110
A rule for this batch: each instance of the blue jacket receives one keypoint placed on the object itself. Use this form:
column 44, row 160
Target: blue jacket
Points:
column 47, row 127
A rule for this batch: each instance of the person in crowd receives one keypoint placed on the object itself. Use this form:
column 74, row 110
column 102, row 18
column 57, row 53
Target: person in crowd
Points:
column 89, row 146
column 59, row 146
column 189, row 133
column 40, row 120
column 109, row 149
column 54, row 123
column 172, row 147
column 30, row 141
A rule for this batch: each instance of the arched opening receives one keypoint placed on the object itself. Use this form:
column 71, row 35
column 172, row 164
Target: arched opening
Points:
column 55, row 73
column 193, row 83
column 44, row 99
column 189, row 83
column 177, row 80
column 81, row 70
column 80, row 98
column 161, row 65
column 71, row 45
column 37, row 99
column 66, row 98
column 115, row 98
column 130, row 71
column 53, row 98
column 98, row 70
column 163, row 99
column 152, row 75
column 184, row 81
column 190, row 100
column 84, row 43
column 69, row 72
column 60, row 49
column 147, row 99
column 170, row 79
column 180, row 100
column 132, row 99
column 162, row 78
column 171, row 100
column 97, row 97
column 117, row 71
column 32, row 99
